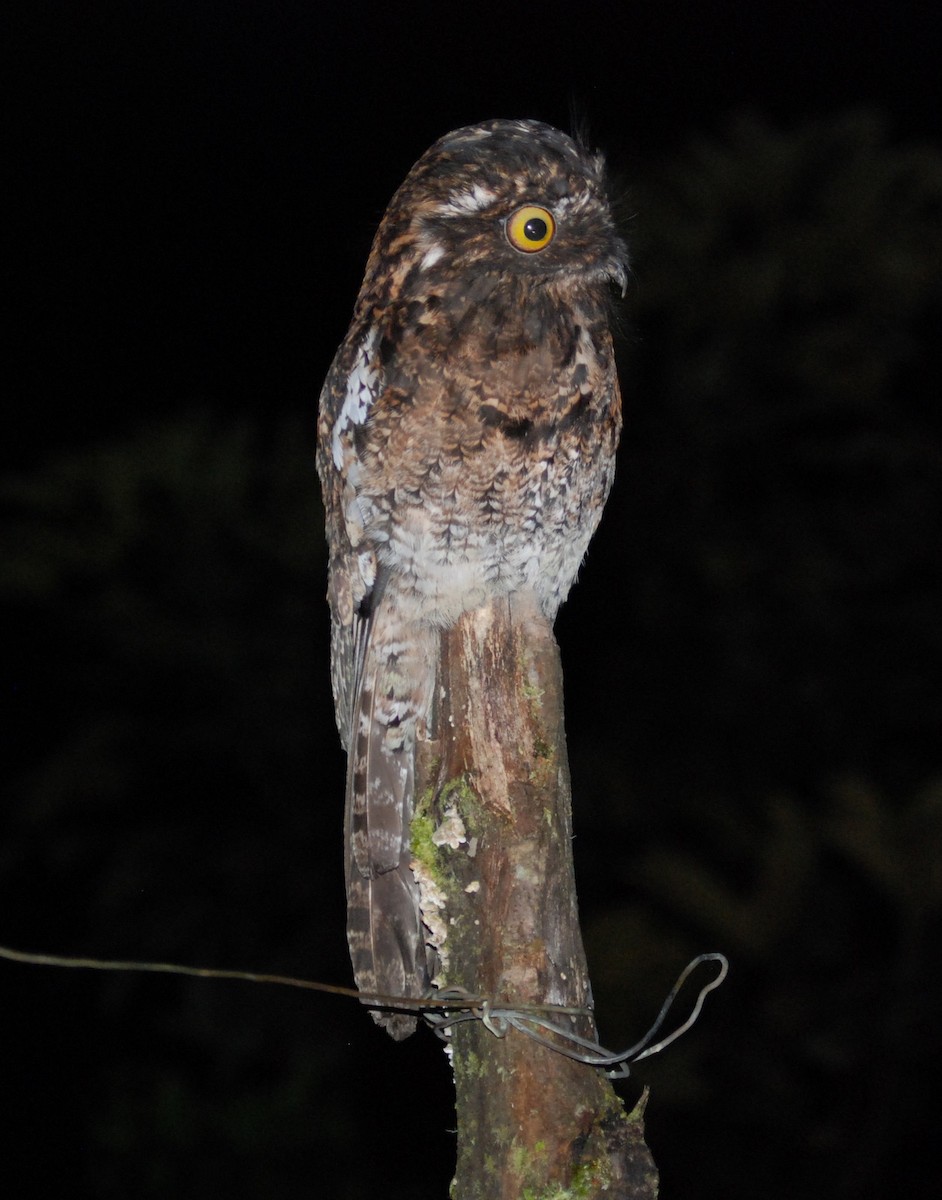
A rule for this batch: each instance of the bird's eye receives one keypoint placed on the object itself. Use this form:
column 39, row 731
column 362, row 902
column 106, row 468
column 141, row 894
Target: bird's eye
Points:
column 530, row 228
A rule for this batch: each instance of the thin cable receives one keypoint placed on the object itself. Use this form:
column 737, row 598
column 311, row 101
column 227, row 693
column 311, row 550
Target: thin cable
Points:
column 444, row 1000
column 499, row 1018
column 444, row 1009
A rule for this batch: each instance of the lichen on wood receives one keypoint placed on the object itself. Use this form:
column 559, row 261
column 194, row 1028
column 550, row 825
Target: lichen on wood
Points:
column 492, row 843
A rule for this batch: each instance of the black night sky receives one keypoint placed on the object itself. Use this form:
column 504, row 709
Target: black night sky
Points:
column 752, row 655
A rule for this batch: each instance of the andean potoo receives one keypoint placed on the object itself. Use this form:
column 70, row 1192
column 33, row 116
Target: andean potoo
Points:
column 466, row 446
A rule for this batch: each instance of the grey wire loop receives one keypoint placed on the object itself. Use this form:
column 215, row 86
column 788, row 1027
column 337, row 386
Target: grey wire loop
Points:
column 498, row 1018
column 438, row 1007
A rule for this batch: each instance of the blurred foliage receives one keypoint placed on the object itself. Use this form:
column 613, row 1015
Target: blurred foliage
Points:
column 173, row 793
column 769, row 545
column 755, row 754
column 163, row 597
column 823, row 1037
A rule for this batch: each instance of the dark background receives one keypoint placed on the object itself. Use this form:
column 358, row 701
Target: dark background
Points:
column 752, row 656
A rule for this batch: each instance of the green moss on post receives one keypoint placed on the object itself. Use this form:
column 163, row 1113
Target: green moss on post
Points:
column 493, row 835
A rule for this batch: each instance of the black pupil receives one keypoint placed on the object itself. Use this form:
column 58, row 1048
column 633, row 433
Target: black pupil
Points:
column 535, row 229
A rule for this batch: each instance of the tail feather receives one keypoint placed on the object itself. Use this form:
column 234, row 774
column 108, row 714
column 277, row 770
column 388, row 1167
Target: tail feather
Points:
column 380, row 784
column 384, row 924
column 387, row 944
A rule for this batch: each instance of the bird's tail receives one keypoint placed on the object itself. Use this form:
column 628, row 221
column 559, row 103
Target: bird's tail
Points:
column 384, row 924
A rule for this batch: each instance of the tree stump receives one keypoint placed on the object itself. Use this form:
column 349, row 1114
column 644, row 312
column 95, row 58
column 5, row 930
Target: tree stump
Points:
column 492, row 844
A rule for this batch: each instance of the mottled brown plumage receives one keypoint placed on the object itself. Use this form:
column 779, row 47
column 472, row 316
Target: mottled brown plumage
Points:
column 466, row 446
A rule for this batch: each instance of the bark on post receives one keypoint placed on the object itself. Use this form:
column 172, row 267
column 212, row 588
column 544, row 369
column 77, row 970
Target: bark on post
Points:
column 492, row 840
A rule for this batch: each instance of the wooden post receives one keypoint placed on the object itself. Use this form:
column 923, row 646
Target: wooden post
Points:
column 492, row 842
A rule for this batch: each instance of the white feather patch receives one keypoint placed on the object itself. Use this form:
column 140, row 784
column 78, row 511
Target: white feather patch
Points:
column 471, row 201
column 362, row 386
column 431, row 257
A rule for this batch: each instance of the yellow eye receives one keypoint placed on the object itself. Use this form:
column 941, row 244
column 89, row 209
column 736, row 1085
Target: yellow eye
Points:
column 530, row 228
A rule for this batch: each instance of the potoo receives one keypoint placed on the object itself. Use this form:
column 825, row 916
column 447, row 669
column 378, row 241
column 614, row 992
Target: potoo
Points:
column 466, row 446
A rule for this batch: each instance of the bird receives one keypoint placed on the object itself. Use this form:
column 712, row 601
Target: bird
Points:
column 466, row 440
